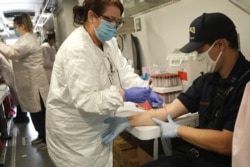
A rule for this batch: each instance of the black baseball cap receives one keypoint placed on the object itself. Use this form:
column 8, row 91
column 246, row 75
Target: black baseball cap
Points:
column 207, row 28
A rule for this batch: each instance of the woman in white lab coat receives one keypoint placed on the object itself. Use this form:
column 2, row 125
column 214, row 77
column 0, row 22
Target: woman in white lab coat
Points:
column 49, row 53
column 6, row 72
column 31, row 82
column 90, row 80
column 7, row 77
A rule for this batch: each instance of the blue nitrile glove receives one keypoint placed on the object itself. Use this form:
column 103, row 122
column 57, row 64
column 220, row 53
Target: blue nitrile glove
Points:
column 155, row 100
column 117, row 125
column 137, row 94
column 168, row 129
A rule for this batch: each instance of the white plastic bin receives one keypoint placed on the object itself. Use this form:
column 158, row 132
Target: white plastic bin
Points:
column 186, row 66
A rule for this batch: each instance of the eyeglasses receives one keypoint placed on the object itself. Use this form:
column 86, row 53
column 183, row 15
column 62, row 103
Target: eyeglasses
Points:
column 116, row 22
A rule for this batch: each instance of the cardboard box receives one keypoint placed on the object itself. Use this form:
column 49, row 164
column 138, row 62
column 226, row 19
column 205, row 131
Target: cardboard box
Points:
column 116, row 163
column 145, row 150
column 143, row 156
column 129, row 158
column 131, row 152
column 124, row 151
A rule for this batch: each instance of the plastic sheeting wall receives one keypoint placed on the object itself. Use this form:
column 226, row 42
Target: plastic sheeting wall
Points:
column 166, row 28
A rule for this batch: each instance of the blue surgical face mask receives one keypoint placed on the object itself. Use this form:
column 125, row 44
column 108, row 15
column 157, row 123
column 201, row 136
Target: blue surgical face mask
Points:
column 17, row 32
column 105, row 31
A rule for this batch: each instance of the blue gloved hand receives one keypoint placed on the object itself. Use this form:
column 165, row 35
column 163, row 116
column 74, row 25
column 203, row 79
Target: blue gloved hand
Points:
column 117, row 125
column 137, row 94
column 155, row 100
column 168, row 129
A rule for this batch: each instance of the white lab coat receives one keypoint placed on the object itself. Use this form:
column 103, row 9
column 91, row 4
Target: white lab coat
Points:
column 7, row 71
column 49, row 58
column 241, row 136
column 8, row 75
column 80, row 97
column 30, row 77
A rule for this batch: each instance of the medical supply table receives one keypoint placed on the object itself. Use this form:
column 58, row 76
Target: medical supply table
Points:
column 153, row 132
column 4, row 90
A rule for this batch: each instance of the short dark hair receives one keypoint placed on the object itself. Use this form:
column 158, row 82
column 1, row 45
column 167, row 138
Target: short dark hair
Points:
column 51, row 36
column 231, row 37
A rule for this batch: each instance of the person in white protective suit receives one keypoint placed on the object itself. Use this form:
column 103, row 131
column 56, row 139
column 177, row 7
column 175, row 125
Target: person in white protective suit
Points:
column 49, row 53
column 241, row 136
column 6, row 72
column 90, row 80
column 7, row 75
column 31, row 82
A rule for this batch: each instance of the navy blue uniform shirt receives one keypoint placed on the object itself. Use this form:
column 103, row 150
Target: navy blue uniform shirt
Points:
column 200, row 97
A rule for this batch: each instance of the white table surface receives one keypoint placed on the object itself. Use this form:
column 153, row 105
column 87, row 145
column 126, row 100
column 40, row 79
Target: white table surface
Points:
column 152, row 132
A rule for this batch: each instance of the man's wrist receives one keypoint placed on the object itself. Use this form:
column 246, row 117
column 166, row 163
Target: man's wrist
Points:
column 122, row 94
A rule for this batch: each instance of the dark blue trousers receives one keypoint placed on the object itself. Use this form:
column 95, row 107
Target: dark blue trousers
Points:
column 38, row 120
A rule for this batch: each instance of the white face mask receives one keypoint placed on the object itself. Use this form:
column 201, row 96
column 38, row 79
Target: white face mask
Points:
column 206, row 60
